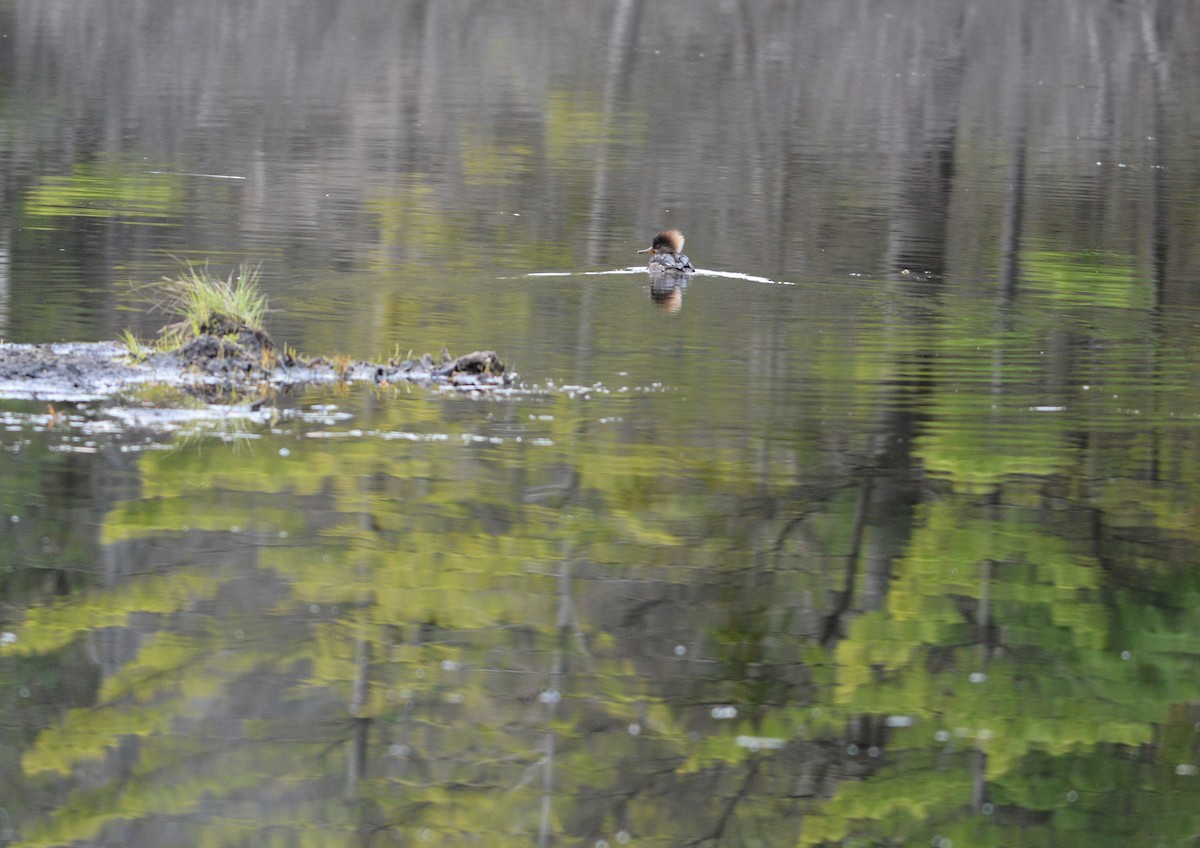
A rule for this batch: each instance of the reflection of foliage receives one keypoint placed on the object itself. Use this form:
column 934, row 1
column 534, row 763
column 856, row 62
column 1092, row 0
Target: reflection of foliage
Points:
column 428, row 608
column 109, row 189
column 492, row 161
column 434, row 597
column 998, row 644
column 1087, row 279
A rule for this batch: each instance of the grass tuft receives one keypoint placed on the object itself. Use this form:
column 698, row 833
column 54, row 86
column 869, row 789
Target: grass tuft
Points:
column 135, row 349
column 206, row 304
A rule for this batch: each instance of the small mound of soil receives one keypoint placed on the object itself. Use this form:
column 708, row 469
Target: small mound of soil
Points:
column 252, row 339
column 227, row 349
column 480, row 368
column 484, row 362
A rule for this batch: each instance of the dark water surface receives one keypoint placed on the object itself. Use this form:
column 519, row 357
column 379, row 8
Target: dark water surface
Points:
column 881, row 532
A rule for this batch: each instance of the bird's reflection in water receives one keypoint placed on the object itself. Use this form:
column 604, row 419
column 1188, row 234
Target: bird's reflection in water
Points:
column 666, row 290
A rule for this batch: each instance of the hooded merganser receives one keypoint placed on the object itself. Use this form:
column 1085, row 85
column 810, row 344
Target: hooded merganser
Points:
column 667, row 254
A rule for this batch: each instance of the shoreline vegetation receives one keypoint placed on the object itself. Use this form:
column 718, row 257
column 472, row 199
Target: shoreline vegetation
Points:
column 217, row 347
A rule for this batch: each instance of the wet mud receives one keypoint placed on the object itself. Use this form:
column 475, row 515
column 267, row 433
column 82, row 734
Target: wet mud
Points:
column 225, row 361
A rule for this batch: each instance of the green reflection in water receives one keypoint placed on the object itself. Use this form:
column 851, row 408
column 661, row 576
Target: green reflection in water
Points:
column 455, row 601
column 1093, row 278
column 108, row 188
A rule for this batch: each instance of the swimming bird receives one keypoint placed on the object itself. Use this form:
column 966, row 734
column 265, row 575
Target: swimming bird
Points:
column 667, row 256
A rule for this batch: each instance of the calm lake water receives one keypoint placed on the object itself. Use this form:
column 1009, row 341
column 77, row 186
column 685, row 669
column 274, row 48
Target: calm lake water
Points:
column 882, row 531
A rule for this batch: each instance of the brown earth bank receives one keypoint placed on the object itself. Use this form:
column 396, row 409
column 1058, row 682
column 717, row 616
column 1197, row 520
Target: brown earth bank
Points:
column 226, row 360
